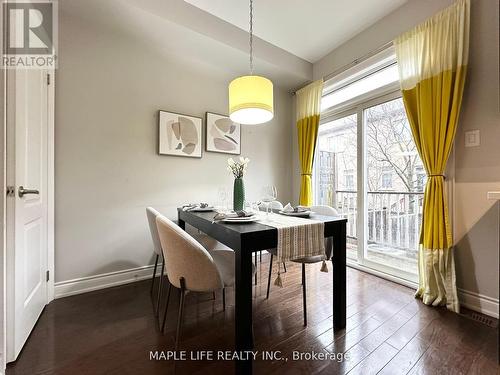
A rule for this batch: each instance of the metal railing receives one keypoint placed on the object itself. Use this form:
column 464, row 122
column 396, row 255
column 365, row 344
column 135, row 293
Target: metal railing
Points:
column 394, row 217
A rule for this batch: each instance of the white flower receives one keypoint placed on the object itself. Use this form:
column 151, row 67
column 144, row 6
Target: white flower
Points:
column 230, row 162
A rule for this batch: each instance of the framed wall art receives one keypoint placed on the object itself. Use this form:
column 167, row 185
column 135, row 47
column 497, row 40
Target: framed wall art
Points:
column 179, row 135
column 222, row 135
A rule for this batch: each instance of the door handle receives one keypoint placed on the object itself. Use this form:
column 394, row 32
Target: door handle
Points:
column 22, row 191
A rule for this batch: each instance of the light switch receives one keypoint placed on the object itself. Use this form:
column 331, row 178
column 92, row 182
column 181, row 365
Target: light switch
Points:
column 472, row 138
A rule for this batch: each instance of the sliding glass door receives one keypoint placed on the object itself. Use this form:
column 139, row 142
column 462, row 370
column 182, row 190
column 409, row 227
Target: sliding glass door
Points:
column 368, row 168
column 395, row 178
column 337, row 171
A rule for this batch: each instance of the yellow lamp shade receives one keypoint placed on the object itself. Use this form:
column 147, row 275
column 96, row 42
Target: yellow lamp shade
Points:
column 251, row 100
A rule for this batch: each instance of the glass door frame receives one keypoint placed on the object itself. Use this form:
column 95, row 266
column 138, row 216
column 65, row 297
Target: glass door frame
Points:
column 358, row 106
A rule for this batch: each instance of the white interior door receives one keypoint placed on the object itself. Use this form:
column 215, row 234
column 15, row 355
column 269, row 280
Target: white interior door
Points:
column 27, row 257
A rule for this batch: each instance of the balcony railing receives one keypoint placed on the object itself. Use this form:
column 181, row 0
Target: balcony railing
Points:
column 393, row 217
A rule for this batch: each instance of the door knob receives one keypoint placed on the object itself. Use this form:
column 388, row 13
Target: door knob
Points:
column 22, row 191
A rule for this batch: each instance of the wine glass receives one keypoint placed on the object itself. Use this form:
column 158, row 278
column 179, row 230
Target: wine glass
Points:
column 269, row 195
column 222, row 196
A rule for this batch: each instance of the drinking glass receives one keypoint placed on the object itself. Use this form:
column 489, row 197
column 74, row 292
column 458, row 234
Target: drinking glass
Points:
column 222, row 196
column 269, row 195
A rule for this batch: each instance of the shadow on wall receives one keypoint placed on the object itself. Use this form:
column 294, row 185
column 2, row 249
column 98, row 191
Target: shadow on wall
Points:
column 478, row 238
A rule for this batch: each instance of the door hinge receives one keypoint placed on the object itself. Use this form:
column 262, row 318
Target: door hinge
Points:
column 11, row 191
column 47, row 275
column 48, row 78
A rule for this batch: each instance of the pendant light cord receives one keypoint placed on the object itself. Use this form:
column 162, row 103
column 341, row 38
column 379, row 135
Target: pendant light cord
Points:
column 251, row 37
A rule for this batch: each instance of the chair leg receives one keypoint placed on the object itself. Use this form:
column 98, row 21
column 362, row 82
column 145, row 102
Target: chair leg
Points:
column 304, row 292
column 213, row 295
column 181, row 311
column 224, row 299
column 260, row 253
column 269, row 277
column 160, row 285
column 166, row 308
column 284, row 266
column 255, row 268
column 154, row 275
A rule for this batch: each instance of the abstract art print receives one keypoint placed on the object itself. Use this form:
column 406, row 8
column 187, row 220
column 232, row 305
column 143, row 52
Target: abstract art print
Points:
column 179, row 135
column 223, row 135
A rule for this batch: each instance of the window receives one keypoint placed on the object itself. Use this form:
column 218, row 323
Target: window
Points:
column 381, row 78
column 421, row 179
column 335, row 171
column 364, row 124
column 349, row 181
column 386, row 180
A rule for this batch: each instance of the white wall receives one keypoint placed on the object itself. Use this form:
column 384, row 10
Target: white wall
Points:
column 477, row 169
column 109, row 89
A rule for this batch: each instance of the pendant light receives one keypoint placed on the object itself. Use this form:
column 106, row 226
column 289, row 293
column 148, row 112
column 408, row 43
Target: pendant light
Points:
column 251, row 96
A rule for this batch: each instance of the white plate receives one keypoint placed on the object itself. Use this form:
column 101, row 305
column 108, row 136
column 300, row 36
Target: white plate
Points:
column 250, row 219
column 241, row 217
column 205, row 209
column 297, row 214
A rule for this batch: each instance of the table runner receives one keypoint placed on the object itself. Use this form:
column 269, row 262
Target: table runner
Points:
column 297, row 238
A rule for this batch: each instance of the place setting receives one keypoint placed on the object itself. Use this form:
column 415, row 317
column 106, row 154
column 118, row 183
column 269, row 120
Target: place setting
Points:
column 298, row 211
column 236, row 217
column 198, row 207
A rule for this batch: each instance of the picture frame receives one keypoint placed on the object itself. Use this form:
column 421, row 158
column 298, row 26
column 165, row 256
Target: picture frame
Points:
column 222, row 135
column 179, row 134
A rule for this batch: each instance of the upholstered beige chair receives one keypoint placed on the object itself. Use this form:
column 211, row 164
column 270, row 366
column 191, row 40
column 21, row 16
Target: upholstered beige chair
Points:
column 320, row 210
column 152, row 214
column 190, row 267
column 206, row 241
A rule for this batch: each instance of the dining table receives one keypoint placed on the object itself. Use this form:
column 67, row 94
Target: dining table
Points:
column 248, row 238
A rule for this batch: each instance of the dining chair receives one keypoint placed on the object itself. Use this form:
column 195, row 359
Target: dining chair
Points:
column 320, row 210
column 324, row 210
column 206, row 241
column 152, row 214
column 191, row 268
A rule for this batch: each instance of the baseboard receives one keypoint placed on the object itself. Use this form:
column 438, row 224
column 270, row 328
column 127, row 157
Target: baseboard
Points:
column 105, row 280
column 478, row 302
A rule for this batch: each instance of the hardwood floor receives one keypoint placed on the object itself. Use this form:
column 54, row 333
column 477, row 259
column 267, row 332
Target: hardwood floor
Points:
column 112, row 331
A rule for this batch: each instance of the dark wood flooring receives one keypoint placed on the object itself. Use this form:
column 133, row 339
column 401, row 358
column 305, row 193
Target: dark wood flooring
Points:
column 112, row 331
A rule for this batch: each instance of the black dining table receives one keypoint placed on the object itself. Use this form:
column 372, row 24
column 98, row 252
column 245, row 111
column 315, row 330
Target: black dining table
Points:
column 247, row 238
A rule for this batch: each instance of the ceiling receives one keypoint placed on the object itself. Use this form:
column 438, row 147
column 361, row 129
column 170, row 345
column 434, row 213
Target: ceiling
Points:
column 189, row 36
column 309, row 29
column 212, row 37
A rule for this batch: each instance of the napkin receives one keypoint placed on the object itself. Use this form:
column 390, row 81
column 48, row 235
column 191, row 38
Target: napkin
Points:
column 290, row 208
column 192, row 206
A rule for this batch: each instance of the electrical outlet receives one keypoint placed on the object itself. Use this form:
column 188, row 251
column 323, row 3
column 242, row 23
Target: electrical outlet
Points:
column 472, row 138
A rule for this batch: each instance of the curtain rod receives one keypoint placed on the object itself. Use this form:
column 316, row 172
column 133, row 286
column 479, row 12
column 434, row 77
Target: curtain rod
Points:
column 349, row 65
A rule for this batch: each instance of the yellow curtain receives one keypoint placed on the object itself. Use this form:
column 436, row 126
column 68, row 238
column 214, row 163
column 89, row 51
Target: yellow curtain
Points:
column 432, row 61
column 308, row 111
